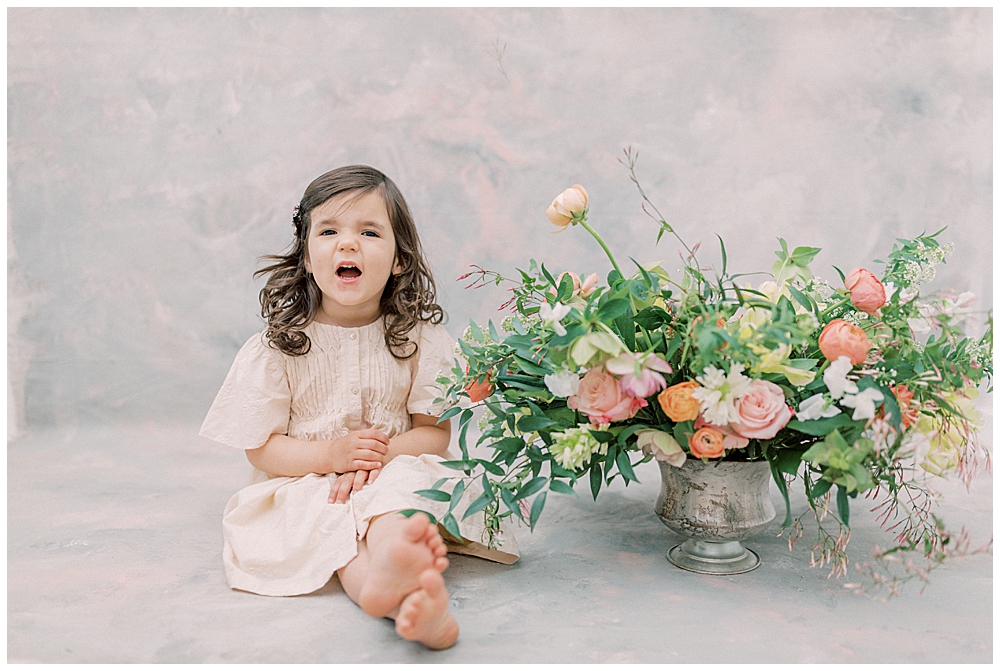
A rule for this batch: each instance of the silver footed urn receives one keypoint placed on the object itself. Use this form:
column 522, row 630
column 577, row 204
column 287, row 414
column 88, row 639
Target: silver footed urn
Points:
column 715, row 505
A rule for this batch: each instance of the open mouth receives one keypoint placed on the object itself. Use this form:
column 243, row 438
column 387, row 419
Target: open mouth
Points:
column 349, row 272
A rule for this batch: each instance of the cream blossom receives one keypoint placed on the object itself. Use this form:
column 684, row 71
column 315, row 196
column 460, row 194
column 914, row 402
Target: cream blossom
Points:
column 863, row 403
column 562, row 383
column 816, row 407
column 835, row 378
column 553, row 316
column 719, row 391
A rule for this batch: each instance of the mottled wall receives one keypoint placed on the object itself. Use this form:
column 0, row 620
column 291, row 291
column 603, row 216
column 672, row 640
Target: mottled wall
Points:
column 154, row 154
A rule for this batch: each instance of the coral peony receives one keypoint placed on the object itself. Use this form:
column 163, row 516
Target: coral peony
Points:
column 567, row 204
column 707, row 443
column 842, row 339
column 678, row 403
column 762, row 411
column 602, row 399
column 867, row 293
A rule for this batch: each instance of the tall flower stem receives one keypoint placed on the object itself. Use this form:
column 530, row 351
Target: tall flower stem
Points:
column 600, row 240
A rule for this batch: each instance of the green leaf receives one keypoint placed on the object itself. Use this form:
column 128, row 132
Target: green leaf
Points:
column 529, row 367
column 788, row 460
column 457, row 464
column 779, row 480
column 596, row 478
column 821, row 427
column 456, row 495
column 509, row 444
column 479, row 504
column 508, row 499
column 843, row 507
column 534, row 423
column 449, row 413
column 490, row 466
column 477, row 332
column 536, row 509
column 434, row 494
column 451, row 525
column 602, row 436
column 625, row 467
column 612, row 309
column 820, row 488
column 530, row 487
column 561, row 487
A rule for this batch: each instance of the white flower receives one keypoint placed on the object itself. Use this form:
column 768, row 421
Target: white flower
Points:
column 575, row 446
column 718, row 393
column 863, row 403
column 836, row 380
column 563, row 383
column 552, row 316
column 920, row 324
column 662, row 446
column 816, row 407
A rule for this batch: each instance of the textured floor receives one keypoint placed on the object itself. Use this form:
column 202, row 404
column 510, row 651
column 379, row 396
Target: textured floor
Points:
column 114, row 540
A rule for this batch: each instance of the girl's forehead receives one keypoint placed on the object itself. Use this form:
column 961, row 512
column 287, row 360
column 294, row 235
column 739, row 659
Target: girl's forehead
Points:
column 352, row 205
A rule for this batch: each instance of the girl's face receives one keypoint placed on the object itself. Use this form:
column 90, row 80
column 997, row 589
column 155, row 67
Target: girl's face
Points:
column 351, row 252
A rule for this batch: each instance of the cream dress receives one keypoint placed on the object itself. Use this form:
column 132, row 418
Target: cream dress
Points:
column 281, row 536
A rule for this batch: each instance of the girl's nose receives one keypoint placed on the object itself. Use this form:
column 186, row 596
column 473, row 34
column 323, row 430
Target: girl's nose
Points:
column 347, row 243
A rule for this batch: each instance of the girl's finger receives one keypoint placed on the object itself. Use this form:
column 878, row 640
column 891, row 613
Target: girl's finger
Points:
column 359, row 481
column 375, row 446
column 359, row 465
column 372, row 474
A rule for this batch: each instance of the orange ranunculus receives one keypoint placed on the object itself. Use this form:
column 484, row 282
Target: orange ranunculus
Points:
column 479, row 390
column 677, row 402
column 707, row 442
column 909, row 409
column 867, row 293
column 842, row 339
column 570, row 202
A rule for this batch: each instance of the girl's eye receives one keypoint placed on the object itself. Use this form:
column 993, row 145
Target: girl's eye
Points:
column 328, row 232
column 371, row 234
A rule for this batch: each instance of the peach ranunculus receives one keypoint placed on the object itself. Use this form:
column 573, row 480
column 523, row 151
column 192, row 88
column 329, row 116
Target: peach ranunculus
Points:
column 707, row 443
column 589, row 284
column 762, row 411
column 677, row 402
column 867, row 293
column 842, row 339
column 567, row 204
column 582, row 288
column 602, row 399
column 730, row 439
column 480, row 390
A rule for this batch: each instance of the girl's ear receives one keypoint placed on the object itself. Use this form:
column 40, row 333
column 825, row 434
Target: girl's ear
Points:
column 397, row 267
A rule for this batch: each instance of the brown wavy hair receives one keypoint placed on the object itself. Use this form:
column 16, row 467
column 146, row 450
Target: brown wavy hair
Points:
column 290, row 298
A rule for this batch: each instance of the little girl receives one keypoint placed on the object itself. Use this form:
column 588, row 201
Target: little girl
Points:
column 333, row 403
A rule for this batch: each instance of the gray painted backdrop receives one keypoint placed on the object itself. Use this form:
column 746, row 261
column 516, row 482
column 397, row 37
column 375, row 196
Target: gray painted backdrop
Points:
column 153, row 155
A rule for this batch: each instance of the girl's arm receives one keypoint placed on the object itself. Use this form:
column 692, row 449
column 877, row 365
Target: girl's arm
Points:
column 358, row 450
column 425, row 437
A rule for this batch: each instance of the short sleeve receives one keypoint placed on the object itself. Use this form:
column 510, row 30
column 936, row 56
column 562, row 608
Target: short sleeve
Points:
column 434, row 358
column 254, row 401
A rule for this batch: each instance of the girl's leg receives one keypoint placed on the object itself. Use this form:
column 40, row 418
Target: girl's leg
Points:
column 390, row 561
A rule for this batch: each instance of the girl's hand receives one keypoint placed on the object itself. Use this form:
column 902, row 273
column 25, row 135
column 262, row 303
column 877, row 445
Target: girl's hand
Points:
column 359, row 451
column 348, row 483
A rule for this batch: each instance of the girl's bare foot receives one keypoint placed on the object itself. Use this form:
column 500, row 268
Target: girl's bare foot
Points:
column 423, row 616
column 400, row 550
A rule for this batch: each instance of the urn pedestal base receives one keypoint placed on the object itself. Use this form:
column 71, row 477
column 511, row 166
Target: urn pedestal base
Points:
column 713, row 557
column 715, row 505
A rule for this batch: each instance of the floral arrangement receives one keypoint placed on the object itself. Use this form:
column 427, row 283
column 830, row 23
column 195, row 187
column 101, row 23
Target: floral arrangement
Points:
column 864, row 388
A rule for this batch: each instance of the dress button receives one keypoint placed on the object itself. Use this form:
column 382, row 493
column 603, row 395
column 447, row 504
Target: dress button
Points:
column 354, row 390
column 354, row 336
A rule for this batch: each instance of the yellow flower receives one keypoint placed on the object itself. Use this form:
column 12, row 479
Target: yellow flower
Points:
column 774, row 361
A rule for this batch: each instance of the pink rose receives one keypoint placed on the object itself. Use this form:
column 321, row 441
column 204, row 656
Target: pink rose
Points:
column 842, row 339
column 601, row 398
column 731, row 439
column 867, row 293
column 762, row 411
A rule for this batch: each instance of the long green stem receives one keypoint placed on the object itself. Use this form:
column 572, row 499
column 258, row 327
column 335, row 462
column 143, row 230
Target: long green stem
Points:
column 833, row 307
column 583, row 222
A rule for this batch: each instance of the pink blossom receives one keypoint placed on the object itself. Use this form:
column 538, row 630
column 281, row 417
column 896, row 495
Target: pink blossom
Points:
column 761, row 411
column 639, row 376
column 602, row 399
